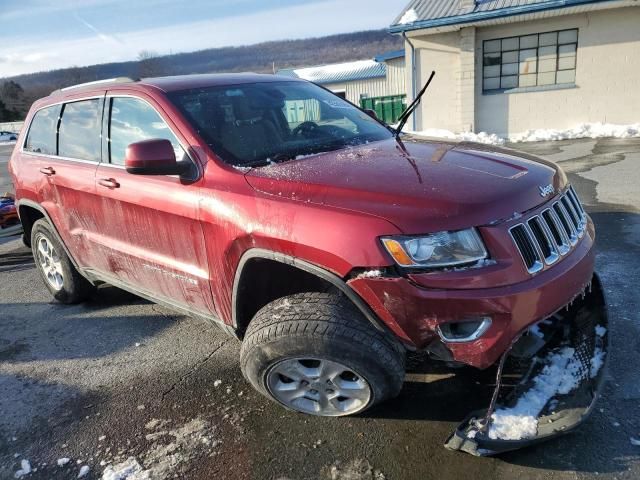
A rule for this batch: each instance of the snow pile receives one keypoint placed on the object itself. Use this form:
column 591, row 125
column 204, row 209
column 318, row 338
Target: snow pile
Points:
column 164, row 460
column 127, row 470
column 409, row 16
column 482, row 137
column 25, row 469
column 584, row 130
column 63, row 461
column 560, row 376
column 84, row 470
column 11, row 142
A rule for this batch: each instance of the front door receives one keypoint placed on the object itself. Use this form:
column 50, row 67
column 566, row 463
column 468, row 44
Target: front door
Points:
column 149, row 231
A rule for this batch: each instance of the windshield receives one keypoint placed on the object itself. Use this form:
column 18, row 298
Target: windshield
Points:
column 256, row 124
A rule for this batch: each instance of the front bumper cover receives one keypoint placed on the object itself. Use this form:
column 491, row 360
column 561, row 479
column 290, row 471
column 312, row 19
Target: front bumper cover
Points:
column 582, row 329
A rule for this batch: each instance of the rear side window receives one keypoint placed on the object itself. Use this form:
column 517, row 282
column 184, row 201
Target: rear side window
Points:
column 42, row 133
column 133, row 120
column 79, row 135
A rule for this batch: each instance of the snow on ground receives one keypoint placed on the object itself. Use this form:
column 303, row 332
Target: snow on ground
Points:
column 130, row 469
column 481, row 137
column 163, row 460
column 12, row 142
column 584, row 130
column 409, row 16
column 25, row 469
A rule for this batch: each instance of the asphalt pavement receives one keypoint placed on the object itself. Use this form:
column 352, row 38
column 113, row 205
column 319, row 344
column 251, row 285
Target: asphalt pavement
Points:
column 120, row 378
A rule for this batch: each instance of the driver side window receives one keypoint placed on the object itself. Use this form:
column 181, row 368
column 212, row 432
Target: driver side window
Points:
column 133, row 120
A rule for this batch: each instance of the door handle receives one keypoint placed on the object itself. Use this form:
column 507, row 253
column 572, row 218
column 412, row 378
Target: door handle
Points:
column 109, row 183
column 48, row 171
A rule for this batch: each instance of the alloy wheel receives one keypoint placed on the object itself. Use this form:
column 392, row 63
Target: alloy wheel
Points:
column 49, row 261
column 318, row 387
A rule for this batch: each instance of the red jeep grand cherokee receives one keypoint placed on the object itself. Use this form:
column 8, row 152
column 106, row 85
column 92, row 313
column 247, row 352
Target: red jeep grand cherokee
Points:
column 330, row 244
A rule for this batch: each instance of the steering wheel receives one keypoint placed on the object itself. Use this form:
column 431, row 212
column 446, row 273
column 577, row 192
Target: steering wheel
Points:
column 304, row 128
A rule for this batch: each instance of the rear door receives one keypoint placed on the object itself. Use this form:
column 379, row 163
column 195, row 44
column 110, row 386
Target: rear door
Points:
column 149, row 230
column 67, row 168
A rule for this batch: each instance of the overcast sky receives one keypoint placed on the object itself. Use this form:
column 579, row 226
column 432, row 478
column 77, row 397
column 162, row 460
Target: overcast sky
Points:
column 40, row 35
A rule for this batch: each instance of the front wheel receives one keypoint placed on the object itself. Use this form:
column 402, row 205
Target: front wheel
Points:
column 314, row 353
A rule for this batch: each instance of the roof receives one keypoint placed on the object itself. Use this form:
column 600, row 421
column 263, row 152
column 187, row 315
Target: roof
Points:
column 383, row 57
column 338, row 72
column 169, row 84
column 186, row 82
column 434, row 13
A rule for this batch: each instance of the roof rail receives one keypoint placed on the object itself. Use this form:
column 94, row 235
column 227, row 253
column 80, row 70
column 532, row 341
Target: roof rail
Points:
column 96, row 82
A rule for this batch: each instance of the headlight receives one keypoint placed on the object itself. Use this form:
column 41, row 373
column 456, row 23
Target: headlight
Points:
column 442, row 249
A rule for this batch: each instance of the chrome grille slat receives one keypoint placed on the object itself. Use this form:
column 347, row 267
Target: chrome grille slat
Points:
column 552, row 220
column 544, row 238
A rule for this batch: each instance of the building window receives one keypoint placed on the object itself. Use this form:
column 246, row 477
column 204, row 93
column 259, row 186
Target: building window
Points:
column 530, row 60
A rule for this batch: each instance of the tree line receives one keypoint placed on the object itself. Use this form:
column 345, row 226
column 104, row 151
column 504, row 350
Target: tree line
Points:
column 17, row 93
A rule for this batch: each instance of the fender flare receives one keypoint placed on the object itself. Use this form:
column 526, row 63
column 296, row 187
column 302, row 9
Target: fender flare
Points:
column 308, row 267
column 45, row 214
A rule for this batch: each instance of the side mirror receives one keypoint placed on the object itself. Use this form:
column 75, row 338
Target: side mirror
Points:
column 371, row 113
column 152, row 157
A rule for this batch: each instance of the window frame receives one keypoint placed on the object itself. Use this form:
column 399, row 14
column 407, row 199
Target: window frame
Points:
column 62, row 104
column 100, row 117
column 518, row 51
column 106, row 137
column 26, row 137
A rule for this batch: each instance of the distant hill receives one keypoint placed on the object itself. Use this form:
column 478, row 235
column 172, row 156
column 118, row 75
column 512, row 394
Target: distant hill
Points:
column 260, row 57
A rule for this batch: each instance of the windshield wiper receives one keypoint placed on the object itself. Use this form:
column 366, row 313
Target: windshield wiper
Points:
column 411, row 108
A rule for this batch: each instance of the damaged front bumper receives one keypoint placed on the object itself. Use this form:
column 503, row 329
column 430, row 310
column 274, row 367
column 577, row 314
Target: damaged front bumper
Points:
column 560, row 366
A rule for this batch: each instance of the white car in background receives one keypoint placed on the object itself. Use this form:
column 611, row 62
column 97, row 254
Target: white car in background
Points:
column 8, row 137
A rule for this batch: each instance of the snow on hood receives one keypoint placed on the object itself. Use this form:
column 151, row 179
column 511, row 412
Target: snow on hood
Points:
column 418, row 186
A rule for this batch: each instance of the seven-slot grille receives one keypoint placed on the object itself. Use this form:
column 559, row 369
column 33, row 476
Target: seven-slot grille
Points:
column 542, row 239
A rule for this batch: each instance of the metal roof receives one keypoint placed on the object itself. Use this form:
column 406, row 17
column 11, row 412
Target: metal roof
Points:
column 433, row 13
column 338, row 72
column 383, row 57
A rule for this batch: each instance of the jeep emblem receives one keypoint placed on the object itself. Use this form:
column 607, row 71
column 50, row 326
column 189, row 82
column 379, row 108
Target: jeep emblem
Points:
column 546, row 190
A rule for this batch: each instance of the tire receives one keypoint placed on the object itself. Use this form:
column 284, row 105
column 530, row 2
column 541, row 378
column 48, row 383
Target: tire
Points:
column 61, row 277
column 308, row 338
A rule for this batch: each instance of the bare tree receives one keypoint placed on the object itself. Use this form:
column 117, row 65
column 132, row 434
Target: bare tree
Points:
column 150, row 64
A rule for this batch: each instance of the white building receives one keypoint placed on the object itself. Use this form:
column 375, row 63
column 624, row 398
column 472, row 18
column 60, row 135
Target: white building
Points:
column 506, row 66
column 377, row 83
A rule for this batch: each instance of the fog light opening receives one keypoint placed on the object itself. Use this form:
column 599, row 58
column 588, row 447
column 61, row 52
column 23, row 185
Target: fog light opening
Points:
column 466, row 331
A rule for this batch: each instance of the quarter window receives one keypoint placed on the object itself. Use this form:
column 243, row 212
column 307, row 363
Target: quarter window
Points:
column 79, row 135
column 133, row 120
column 530, row 60
column 42, row 133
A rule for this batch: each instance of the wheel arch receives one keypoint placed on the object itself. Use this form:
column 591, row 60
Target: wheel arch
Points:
column 244, row 308
column 30, row 212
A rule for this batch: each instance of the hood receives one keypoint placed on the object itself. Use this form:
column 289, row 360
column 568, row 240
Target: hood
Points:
column 420, row 187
